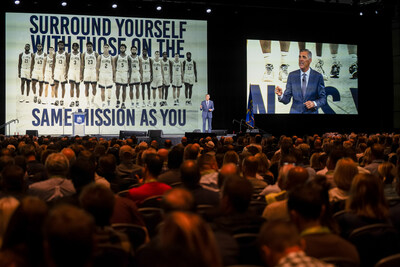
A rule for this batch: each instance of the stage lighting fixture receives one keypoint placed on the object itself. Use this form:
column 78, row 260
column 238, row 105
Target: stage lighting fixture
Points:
column 361, row 13
column 17, row 2
column 159, row 8
column 114, row 6
column 64, row 3
column 208, row 10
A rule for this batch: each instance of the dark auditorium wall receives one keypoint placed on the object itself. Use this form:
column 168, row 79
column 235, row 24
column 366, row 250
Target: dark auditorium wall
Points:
column 372, row 34
column 227, row 34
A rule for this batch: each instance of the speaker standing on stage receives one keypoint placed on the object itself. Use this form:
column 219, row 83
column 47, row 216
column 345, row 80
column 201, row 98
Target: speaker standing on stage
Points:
column 207, row 107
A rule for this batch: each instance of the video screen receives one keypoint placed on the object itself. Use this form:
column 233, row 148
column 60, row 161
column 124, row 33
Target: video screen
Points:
column 122, row 73
column 290, row 77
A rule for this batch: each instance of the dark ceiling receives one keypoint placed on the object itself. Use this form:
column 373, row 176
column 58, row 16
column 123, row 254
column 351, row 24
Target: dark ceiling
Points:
column 197, row 7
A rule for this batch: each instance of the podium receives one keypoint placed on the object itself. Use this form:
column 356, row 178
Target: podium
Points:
column 78, row 125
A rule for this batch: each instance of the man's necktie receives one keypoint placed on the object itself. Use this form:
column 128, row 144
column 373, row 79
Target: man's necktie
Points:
column 304, row 84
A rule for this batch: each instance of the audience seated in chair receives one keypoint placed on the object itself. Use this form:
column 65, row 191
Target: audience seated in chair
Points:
column 190, row 176
column 343, row 175
column 281, row 245
column 366, row 204
column 172, row 175
column 99, row 201
column 57, row 185
column 277, row 210
column 151, row 187
column 69, row 231
column 308, row 205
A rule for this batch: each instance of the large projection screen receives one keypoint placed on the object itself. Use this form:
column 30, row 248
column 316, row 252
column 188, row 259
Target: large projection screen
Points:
column 270, row 61
column 163, row 35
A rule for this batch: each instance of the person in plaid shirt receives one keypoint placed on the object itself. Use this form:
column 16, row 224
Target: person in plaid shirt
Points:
column 281, row 246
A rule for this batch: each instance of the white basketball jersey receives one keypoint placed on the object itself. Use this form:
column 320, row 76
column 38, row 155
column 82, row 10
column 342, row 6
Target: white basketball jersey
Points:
column 75, row 61
column 122, row 63
column 105, row 64
column 49, row 63
column 157, row 68
column 135, row 64
column 166, row 67
column 39, row 61
column 90, row 60
column 189, row 67
column 61, row 60
column 146, row 64
column 26, row 61
column 176, row 68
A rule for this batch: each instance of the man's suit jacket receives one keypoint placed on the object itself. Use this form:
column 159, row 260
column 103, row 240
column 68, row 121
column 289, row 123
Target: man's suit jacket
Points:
column 315, row 92
column 205, row 108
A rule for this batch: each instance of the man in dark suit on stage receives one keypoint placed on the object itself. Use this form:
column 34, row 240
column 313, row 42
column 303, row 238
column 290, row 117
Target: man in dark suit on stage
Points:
column 207, row 107
column 306, row 86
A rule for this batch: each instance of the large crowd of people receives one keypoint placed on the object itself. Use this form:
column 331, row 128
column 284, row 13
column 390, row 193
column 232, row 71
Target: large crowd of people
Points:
column 234, row 200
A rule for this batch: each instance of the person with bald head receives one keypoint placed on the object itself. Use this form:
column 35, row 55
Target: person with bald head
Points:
column 225, row 171
column 178, row 199
column 277, row 210
column 191, row 151
column 190, row 176
column 168, row 144
column 184, row 141
column 70, row 154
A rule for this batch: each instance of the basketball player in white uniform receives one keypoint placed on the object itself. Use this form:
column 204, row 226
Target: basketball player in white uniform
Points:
column 167, row 77
column 122, row 63
column 48, row 75
column 89, row 61
column 105, row 74
column 176, row 78
column 157, row 78
column 38, row 62
column 60, row 72
column 24, row 71
column 189, row 76
column 136, row 70
column 75, row 74
column 147, row 76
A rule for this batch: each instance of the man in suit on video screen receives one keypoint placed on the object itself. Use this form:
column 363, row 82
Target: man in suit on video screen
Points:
column 306, row 87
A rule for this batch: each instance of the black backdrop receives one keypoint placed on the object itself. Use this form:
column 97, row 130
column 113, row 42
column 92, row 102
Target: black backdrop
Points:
column 227, row 34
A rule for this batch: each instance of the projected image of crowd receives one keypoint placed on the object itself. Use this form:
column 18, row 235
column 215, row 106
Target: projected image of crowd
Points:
column 329, row 200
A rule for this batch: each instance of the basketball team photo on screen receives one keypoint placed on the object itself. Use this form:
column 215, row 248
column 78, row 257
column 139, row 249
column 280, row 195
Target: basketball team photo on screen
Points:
column 122, row 73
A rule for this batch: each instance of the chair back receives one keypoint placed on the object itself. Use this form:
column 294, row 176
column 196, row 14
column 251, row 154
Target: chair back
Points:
column 123, row 193
column 152, row 217
column 137, row 234
column 340, row 262
column 176, row 184
column 151, row 202
column 258, row 206
column 390, row 261
column 248, row 248
column 375, row 242
column 110, row 255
